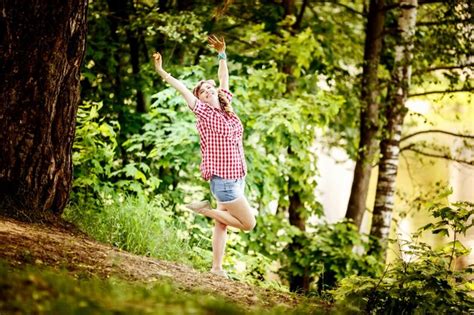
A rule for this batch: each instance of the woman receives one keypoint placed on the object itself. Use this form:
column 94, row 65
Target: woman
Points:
column 223, row 161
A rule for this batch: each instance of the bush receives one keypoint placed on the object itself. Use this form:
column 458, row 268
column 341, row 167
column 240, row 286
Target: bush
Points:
column 326, row 253
column 330, row 253
column 94, row 154
column 423, row 283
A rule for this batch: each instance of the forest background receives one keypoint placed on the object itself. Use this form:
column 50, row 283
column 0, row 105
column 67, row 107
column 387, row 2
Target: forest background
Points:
column 386, row 85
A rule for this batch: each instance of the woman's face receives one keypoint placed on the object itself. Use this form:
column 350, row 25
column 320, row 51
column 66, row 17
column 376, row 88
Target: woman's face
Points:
column 207, row 92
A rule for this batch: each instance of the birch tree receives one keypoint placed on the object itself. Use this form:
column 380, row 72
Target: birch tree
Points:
column 396, row 111
column 443, row 48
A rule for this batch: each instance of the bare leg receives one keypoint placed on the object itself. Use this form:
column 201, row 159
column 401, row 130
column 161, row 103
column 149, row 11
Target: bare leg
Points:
column 223, row 217
column 219, row 238
column 238, row 214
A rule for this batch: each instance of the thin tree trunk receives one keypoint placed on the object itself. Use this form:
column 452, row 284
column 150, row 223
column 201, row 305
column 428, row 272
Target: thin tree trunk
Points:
column 390, row 145
column 42, row 48
column 369, row 113
column 117, row 78
column 298, row 283
column 120, row 13
column 295, row 208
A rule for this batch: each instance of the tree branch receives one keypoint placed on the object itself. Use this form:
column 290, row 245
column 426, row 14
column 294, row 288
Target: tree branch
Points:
column 421, row 71
column 441, row 92
column 348, row 8
column 421, row 2
column 443, row 22
column 301, row 14
column 437, row 156
column 437, row 131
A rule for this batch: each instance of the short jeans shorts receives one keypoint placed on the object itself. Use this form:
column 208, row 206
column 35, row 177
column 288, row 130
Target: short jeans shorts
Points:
column 227, row 190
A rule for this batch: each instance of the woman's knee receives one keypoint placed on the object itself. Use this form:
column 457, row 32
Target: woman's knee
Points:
column 249, row 225
column 240, row 209
column 220, row 225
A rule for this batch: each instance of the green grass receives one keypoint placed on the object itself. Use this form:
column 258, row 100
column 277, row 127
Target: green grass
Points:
column 45, row 291
column 146, row 228
column 140, row 227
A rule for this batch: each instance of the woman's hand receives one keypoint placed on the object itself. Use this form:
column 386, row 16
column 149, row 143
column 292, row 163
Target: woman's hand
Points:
column 158, row 62
column 217, row 43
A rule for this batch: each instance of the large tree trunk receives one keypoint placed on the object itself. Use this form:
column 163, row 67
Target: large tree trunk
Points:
column 396, row 110
column 369, row 112
column 42, row 47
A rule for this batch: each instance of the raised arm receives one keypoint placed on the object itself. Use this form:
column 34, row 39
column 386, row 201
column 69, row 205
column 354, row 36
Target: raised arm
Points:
column 223, row 73
column 180, row 87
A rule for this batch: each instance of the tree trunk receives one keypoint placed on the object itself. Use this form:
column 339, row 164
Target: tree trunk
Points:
column 42, row 47
column 298, row 283
column 117, row 77
column 295, row 208
column 120, row 13
column 396, row 110
column 369, row 112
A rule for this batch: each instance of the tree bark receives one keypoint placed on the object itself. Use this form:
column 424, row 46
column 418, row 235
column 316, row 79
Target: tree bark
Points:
column 369, row 112
column 396, row 111
column 42, row 47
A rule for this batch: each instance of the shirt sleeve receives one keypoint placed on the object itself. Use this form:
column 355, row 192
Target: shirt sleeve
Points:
column 228, row 94
column 201, row 110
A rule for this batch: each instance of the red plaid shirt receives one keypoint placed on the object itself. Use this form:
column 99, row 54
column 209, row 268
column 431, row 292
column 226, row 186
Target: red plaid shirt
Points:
column 221, row 142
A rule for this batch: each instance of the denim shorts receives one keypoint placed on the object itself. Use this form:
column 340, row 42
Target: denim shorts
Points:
column 227, row 190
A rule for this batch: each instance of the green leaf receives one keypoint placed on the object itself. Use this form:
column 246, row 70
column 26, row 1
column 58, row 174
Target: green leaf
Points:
column 441, row 231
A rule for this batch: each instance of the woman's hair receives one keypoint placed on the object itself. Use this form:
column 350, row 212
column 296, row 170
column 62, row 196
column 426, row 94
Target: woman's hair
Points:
column 221, row 95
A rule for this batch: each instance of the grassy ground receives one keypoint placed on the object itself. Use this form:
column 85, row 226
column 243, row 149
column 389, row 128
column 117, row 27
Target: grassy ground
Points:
column 43, row 290
column 56, row 270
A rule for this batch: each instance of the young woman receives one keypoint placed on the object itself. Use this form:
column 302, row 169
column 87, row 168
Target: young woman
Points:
column 223, row 161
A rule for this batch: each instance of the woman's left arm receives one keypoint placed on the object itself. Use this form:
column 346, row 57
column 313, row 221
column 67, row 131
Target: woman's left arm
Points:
column 223, row 72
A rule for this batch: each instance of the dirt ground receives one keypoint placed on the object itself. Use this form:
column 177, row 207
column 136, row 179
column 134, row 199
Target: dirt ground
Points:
column 67, row 248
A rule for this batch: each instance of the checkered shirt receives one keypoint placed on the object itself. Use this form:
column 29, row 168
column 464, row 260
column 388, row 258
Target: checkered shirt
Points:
column 221, row 142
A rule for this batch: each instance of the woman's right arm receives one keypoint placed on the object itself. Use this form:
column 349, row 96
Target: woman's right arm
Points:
column 180, row 87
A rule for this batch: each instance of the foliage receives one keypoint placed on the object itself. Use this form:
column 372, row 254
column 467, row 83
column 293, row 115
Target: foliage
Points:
column 99, row 171
column 165, row 148
column 329, row 253
column 94, row 153
column 275, row 122
column 443, row 25
column 422, row 280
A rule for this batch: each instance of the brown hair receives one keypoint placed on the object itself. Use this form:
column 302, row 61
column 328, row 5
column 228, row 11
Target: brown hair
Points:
column 223, row 100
